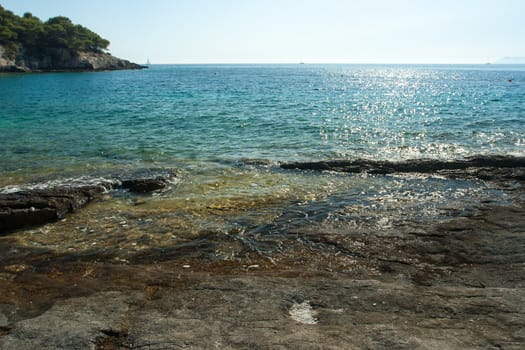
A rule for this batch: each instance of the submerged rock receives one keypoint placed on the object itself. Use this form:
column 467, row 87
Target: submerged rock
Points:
column 144, row 184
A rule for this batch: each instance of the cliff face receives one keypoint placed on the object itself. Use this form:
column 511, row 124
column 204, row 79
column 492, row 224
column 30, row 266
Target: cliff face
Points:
column 63, row 60
column 7, row 64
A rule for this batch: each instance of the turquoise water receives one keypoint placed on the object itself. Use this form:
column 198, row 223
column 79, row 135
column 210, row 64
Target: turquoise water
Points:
column 298, row 112
column 225, row 128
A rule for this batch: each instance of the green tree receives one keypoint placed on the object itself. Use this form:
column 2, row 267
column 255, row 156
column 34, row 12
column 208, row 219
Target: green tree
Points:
column 32, row 29
column 8, row 26
column 9, row 29
column 30, row 33
column 60, row 32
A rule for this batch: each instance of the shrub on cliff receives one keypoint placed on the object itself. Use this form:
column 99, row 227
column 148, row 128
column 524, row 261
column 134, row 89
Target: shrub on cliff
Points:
column 36, row 37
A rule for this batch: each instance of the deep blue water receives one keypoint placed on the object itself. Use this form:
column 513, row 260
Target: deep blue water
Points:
column 166, row 115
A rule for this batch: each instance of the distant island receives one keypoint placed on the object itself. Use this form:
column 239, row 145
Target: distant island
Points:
column 28, row 44
column 511, row 60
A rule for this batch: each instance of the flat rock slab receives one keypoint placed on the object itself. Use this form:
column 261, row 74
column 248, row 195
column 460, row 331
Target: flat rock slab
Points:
column 38, row 205
column 458, row 284
column 261, row 312
column 73, row 324
column 484, row 168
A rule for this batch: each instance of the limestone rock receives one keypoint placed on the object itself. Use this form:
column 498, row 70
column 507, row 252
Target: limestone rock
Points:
column 63, row 60
column 72, row 324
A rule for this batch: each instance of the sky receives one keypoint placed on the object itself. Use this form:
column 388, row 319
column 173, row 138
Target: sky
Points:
column 291, row 31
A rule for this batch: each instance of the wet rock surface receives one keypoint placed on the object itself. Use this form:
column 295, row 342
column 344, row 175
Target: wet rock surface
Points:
column 146, row 181
column 458, row 284
column 36, row 206
column 484, row 168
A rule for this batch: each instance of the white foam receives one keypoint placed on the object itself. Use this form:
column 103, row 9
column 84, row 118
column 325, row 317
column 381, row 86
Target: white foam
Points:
column 65, row 182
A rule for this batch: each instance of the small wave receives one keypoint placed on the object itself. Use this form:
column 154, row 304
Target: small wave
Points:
column 108, row 182
column 69, row 182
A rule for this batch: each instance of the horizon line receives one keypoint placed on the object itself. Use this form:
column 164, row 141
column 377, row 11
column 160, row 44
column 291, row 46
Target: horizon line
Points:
column 330, row 63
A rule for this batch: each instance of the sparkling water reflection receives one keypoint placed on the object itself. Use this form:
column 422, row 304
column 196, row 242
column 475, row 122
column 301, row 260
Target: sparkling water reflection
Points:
column 226, row 128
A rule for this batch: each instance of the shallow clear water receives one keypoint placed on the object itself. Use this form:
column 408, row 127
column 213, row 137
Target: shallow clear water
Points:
column 212, row 122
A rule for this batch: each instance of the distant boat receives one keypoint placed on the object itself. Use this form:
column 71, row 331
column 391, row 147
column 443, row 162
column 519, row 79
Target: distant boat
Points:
column 148, row 62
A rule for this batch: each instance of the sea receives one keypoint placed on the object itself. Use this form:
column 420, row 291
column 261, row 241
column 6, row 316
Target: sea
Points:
column 225, row 130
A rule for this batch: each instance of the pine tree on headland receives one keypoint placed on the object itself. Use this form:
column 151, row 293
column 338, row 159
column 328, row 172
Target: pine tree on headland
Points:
column 31, row 34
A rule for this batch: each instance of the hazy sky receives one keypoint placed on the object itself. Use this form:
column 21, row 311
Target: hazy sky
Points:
column 359, row 31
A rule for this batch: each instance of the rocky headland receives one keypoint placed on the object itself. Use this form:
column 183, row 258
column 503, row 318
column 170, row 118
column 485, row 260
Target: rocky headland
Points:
column 63, row 60
column 28, row 44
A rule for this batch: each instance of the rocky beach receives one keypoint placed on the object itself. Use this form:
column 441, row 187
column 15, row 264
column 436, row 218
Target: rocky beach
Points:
column 229, row 200
column 456, row 283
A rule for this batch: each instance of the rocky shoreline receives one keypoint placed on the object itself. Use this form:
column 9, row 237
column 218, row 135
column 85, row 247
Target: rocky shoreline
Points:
column 63, row 60
column 449, row 286
column 40, row 205
column 453, row 284
column 484, row 168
